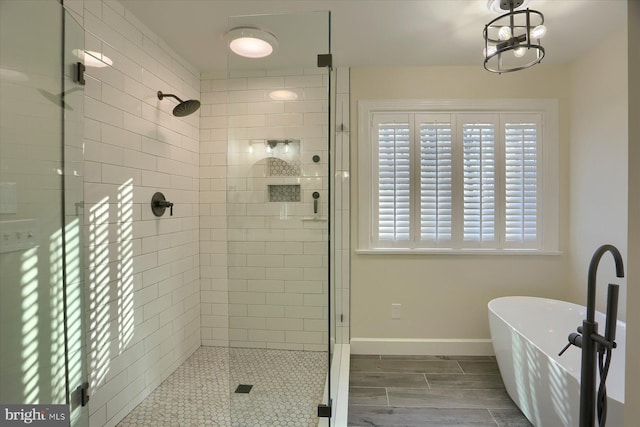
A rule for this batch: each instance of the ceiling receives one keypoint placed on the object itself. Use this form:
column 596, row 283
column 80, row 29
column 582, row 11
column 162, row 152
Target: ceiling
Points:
column 372, row 32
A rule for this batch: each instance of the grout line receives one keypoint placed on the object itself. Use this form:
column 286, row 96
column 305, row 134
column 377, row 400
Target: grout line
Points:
column 493, row 418
column 421, row 388
column 372, row 405
column 427, row 381
column 386, row 392
column 460, row 366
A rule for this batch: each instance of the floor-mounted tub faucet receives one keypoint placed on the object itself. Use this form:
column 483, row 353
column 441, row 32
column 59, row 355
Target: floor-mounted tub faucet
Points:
column 595, row 346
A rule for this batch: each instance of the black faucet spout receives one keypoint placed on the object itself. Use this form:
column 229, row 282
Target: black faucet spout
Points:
column 593, row 270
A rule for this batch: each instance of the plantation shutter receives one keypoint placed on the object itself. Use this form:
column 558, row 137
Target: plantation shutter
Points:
column 436, row 174
column 522, row 204
column 455, row 180
column 479, row 180
column 393, row 201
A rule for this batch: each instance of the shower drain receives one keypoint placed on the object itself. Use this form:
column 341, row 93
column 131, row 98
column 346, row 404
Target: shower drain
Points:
column 244, row 388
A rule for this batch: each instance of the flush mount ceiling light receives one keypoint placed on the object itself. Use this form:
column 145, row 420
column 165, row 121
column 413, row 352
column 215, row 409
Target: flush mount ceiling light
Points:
column 252, row 42
column 512, row 40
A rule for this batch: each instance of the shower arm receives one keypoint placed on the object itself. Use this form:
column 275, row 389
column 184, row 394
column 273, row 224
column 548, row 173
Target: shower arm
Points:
column 163, row 95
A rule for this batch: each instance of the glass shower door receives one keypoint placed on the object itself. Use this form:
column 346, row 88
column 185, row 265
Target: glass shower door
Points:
column 73, row 211
column 41, row 122
column 278, row 223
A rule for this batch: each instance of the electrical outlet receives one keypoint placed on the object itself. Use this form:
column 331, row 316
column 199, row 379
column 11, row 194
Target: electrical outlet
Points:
column 395, row 311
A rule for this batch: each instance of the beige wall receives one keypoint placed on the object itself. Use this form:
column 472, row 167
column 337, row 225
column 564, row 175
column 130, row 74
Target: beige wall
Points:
column 632, row 395
column 445, row 297
column 598, row 165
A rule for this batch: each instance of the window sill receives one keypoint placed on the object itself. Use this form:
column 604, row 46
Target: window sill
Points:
column 440, row 251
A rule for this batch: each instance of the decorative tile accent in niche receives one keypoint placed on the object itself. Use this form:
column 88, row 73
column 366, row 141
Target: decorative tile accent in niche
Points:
column 279, row 167
column 284, row 193
column 284, row 157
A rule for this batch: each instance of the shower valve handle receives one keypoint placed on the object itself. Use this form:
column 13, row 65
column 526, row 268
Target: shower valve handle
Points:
column 170, row 206
column 165, row 204
column 159, row 204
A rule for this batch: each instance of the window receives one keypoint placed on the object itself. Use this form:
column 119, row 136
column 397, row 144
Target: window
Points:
column 458, row 176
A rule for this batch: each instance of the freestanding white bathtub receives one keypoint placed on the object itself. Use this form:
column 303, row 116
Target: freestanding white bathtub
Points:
column 527, row 334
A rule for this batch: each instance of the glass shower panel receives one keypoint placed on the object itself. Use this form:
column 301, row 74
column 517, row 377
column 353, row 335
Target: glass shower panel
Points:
column 339, row 242
column 40, row 133
column 278, row 224
column 32, row 330
column 335, row 333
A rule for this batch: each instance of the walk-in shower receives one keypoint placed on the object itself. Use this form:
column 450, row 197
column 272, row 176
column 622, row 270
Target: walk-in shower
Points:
column 278, row 180
column 272, row 318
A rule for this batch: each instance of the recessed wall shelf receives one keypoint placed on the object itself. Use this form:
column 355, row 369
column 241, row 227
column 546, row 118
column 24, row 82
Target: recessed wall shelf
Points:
column 315, row 218
column 284, row 193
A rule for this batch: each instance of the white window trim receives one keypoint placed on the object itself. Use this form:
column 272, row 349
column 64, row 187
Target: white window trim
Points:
column 550, row 167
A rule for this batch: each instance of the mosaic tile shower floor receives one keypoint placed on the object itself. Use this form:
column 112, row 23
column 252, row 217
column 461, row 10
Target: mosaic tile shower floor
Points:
column 287, row 387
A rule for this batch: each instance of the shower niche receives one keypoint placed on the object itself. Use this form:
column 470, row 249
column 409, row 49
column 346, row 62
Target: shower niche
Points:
column 284, row 157
column 284, row 192
column 283, row 162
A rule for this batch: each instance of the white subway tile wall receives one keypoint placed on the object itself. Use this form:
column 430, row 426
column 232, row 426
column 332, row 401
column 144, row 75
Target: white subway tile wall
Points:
column 214, row 258
column 142, row 272
column 277, row 291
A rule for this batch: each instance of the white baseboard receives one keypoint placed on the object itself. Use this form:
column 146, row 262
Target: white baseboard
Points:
column 411, row 346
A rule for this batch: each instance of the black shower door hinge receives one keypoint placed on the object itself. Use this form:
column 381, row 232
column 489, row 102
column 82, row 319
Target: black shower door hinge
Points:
column 83, row 394
column 325, row 60
column 79, row 73
column 324, row 411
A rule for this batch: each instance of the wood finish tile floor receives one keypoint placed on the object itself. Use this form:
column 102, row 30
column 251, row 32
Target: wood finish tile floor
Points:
column 417, row 391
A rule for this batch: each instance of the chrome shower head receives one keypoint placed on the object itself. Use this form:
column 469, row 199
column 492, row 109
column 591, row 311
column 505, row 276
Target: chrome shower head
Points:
column 184, row 108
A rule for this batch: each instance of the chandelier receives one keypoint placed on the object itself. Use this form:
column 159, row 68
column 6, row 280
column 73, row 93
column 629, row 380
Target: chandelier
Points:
column 512, row 40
